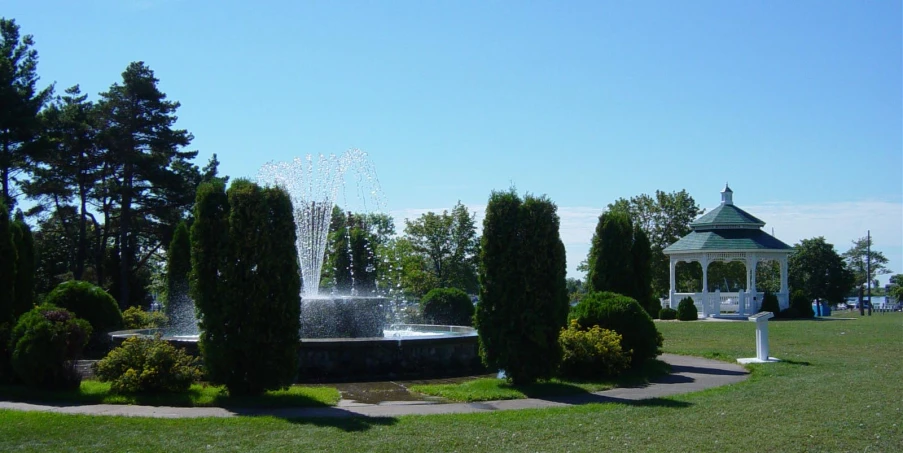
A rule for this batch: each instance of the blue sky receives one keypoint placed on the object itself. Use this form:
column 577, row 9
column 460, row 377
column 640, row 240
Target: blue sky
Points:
column 799, row 105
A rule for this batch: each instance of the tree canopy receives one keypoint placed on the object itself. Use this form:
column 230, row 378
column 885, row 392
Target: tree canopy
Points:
column 859, row 258
column 816, row 269
column 448, row 246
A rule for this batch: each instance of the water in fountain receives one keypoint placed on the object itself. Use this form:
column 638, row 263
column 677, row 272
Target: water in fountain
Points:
column 314, row 186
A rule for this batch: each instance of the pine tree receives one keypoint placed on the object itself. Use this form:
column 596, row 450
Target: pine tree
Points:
column 21, row 101
column 154, row 178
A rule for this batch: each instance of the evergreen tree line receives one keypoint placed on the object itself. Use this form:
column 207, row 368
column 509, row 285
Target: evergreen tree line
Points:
column 107, row 179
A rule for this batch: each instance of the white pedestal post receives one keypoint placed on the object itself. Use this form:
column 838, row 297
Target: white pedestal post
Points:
column 761, row 320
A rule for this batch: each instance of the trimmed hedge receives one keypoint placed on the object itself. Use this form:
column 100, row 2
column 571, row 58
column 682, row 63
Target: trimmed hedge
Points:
column 802, row 305
column 591, row 353
column 625, row 316
column 46, row 343
column 667, row 313
column 686, row 310
column 147, row 365
column 447, row 306
column 88, row 302
column 770, row 303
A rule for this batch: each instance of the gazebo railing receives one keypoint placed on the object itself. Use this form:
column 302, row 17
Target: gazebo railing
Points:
column 716, row 303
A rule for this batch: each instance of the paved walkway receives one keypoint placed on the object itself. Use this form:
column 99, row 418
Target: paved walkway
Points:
column 689, row 374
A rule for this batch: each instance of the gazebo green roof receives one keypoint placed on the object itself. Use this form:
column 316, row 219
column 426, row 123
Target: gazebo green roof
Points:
column 727, row 240
column 726, row 215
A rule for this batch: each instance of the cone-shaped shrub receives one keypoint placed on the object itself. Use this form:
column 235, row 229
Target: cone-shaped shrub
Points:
column 686, row 310
column 246, row 286
column 177, row 269
column 23, row 240
column 523, row 294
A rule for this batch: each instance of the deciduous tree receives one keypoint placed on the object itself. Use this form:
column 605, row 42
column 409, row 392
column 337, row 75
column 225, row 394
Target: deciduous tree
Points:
column 816, row 269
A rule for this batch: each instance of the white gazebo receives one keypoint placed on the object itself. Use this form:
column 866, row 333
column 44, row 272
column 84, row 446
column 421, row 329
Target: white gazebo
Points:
column 728, row 233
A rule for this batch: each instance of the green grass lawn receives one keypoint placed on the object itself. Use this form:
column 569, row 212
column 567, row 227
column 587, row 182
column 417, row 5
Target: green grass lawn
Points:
column 840, row 388
column 488, row 389
column 94, row 392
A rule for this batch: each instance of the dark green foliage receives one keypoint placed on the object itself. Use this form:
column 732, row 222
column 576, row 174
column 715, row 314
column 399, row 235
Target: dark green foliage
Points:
column 88, row 302
column 448, row 247
column 667, row 313
column 770, row 303
column 177, row 270
column 610, row 257
column 687, row 310
column 8, row 259
column 20, row 102
column 147, row 365
column 624, row 315
column 25, row 267
column 801, row 304
column 7, row 375
column 816, row 269
column 449, row 306
column 246, row 286
column 523, row 294
column 790, row 313
column 591, row 353
column 46, row 343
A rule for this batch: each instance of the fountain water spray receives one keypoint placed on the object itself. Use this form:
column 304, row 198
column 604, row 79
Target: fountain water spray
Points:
column 313, row 186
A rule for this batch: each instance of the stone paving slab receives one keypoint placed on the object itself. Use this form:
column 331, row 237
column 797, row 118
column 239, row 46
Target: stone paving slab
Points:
column 689, row 374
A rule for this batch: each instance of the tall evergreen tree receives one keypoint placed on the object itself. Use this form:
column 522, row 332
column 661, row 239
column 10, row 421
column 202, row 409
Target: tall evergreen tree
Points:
column 68, row 168
column 154, row 179
column 21, row 101
column 523, row 294
column 246, row 285
column 24, row 284
column 177, row 270
column 8, row 259
column 610, row 260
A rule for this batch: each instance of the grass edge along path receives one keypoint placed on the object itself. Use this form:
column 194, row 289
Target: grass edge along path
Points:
column 199, row 395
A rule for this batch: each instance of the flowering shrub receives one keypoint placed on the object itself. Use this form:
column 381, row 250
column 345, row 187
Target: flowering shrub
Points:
column 591, row 353
column 45, row 344
column 145, row 365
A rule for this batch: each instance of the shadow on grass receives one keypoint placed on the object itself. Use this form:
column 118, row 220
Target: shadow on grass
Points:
column 796, row 362
column 705, row 370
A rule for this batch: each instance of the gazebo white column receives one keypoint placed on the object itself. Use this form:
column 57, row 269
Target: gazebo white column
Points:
column 783, row 261
column 673, row 281
column 751, row 262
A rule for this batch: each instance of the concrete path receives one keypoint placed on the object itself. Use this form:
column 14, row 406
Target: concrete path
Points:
column 689, row 374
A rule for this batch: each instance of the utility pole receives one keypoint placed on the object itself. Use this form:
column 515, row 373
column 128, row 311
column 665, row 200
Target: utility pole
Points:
column 868, row 267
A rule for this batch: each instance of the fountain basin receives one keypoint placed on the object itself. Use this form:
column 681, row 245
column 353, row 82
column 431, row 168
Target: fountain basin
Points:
column 406, row 351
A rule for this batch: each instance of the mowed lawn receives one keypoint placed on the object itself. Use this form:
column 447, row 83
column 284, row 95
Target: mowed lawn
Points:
column 839, row 389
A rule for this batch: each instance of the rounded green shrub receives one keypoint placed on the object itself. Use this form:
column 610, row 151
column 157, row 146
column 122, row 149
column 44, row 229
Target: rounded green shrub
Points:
column 686, row 310
column 801, row 303
column 625, row 316
column 46, row 343
column 137, row 318
column 147, row 365
column 770, row 303
column 88, row 302
column 667, row 313
column 591, row 353
column 447, row 306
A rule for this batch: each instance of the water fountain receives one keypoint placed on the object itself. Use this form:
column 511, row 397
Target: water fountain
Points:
column 349, row 336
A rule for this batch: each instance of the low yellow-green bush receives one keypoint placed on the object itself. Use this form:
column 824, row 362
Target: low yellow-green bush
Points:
column 592, row 353
column 147, row 365
column 137, row 318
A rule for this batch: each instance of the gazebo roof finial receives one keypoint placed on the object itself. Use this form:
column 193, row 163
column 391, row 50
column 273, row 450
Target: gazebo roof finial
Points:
column 727, row 195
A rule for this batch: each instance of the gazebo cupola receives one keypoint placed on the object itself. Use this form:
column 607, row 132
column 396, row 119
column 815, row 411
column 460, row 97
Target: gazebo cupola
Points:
column 728, row 233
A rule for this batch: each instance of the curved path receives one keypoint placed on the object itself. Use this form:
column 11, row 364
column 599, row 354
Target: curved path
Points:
column 689, row 374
